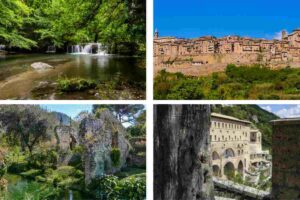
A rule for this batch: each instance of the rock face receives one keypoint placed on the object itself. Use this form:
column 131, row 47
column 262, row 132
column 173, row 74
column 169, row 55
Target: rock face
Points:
column 286, row 159
column 41, row 66
column 182, row 168
column 99, row 136
column 66, row 139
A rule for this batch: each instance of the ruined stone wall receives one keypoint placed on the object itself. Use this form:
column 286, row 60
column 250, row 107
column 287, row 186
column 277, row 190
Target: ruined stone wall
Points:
column 182, row 162
column 286, row 159
column 97, row 137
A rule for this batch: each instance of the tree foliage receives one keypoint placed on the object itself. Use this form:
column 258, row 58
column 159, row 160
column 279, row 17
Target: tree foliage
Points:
column 125, row 113
column 24, row 126
column 243, row 82
column 118, row 24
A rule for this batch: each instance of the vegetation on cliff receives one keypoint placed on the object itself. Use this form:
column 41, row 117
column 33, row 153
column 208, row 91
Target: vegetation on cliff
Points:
column 43, row 170
column 258, row 116
column 236, row 83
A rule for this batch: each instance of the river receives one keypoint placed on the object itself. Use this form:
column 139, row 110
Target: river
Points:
column 18, row 78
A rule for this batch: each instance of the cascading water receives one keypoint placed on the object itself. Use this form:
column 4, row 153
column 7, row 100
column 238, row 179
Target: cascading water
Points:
column 2, row 47
column 91, row 48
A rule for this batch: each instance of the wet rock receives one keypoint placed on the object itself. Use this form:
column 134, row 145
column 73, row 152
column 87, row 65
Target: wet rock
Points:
column 99, row 136
column 3, row 184
column 97, row 95
column 41, row 66
column 44, row 90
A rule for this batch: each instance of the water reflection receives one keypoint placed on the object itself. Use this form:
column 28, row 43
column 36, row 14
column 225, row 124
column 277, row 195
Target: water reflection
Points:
column 15, row 71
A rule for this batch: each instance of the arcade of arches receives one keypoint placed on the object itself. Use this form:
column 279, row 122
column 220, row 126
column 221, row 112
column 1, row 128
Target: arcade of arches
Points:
column 235, row 146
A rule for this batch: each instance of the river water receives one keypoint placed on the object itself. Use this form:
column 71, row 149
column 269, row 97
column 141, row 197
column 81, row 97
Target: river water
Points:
column 20, row 185
column 18, row 78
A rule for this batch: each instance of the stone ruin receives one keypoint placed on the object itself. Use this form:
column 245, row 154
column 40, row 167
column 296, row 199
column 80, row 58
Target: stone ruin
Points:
column 99, row 136
column 66, row 139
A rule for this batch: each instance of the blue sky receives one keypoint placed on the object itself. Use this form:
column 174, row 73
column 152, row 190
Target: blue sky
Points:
column 254, row 18
column 283, row 111
column 71, row 110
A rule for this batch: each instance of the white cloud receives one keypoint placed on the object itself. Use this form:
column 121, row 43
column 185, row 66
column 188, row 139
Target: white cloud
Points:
column 278, row 35
column 290, row 112
column 267, row 108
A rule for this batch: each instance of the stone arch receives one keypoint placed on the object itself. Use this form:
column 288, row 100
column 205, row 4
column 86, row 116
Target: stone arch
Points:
column 240, row 168
column 229, row 170
column 229, row 153
column 215, row 156
column 216, row 170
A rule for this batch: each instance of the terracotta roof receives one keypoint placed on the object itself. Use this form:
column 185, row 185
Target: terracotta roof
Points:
column 217, row 115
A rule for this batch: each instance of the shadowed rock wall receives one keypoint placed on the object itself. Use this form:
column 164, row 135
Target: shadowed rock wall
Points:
column 286, row 159
column 182, row 168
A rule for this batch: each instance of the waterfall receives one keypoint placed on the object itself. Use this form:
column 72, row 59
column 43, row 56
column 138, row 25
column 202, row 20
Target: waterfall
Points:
column 87, row 49
column 51, row 49
column 90, row 48
column 70, row 195
column 2, row 47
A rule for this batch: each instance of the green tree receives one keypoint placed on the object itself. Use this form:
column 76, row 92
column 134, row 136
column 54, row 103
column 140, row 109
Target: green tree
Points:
column 25, row 126
column 13, row 14
column 125, row 113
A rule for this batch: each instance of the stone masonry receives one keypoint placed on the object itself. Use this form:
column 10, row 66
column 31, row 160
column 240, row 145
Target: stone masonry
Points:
column 236, row 146
column 286, row 159
column 211, row 54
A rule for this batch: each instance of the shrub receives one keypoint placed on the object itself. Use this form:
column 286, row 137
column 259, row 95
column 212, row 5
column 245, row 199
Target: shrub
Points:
column 110, row 187
column 32, row 173
column 43, row 159
column 75, row 84
column 3, row 169
column 115, row 156
column 18, row 167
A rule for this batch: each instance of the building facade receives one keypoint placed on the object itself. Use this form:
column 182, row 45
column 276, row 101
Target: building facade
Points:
column 235, row 146
column 286, row 49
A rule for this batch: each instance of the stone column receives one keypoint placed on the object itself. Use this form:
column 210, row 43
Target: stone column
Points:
column 286, row 159
column 182, row 159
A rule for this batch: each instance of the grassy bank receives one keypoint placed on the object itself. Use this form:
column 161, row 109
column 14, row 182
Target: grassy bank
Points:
column 244, row 82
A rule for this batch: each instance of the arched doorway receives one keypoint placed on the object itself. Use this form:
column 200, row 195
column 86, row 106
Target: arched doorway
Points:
column 229, row 170
column 229, row 153
column 216, row 170
column 215, row 156
column 240, row 168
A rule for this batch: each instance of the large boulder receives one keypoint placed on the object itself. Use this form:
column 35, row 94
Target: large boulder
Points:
column 100, row 136
column 41, row 66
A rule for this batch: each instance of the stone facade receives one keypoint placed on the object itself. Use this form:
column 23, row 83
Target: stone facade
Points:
column 235, row 145
column 209, row 50
column 286, row 159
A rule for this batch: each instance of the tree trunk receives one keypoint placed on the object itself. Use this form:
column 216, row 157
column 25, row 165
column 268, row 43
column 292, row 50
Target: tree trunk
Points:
column 182, row 163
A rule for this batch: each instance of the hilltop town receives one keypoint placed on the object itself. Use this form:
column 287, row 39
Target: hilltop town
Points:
column 207, row 54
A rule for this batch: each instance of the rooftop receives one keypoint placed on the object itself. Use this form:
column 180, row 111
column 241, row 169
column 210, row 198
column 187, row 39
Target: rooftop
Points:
column 286, row 121
column 217, row 115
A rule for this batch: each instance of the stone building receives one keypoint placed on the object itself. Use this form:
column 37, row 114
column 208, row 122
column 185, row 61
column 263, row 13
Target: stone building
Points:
column 241, row 49
column 235, row 146
column 286, row 159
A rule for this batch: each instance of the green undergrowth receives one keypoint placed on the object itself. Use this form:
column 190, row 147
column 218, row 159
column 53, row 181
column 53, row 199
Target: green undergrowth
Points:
column 75, row 84
column 243, row 82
